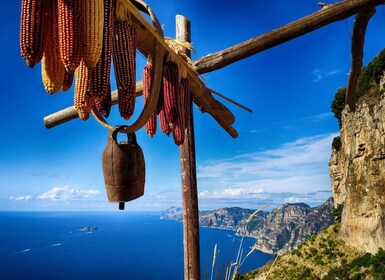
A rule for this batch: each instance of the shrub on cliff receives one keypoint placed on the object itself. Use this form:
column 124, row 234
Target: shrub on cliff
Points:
column 338, row 104
column 370, row 76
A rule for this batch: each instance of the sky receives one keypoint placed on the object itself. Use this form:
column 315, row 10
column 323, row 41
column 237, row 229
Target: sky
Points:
column 280, row 156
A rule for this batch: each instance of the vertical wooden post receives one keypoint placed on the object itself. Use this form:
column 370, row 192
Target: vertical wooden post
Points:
column 189, row 180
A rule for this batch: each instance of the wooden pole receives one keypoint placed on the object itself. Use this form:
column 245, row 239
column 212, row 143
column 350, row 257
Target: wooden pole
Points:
column 189, row 180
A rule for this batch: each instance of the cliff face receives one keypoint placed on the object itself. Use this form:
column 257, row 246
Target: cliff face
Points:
column 288, row 226
column 357, row 170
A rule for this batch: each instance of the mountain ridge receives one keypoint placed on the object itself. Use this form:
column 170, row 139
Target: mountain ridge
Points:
column 276, row 232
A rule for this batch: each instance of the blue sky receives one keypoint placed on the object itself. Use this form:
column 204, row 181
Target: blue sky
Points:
column 283, row 148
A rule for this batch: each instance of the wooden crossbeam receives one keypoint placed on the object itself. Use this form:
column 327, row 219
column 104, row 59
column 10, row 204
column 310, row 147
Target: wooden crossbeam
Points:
column 327, row 15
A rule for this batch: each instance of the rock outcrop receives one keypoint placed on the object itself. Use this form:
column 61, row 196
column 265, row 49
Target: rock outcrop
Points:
column 357, row 170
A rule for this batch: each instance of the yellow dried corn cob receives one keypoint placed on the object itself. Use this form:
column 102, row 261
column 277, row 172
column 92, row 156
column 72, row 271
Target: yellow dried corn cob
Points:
column 52, row 69
column 100, row 76
column 170, row 87
column 33, row 26
column 83, row 100
column 71, row 32
column 67, row 82
column 93, row 31
column 123, row 55
column 151, row 124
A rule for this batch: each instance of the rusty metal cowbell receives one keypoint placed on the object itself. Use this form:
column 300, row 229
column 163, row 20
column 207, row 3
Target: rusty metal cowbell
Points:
column 123, row 168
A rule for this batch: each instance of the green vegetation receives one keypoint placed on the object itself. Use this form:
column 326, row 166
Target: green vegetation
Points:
column 368, row 80
column 337, row 144
column 337, row 213
column 338, row 104
column 324, row 257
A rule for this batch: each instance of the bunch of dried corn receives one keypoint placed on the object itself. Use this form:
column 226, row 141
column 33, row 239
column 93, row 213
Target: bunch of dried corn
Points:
column 79, row 38
column 175, row 102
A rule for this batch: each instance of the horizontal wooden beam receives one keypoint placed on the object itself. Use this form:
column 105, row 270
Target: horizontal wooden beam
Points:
column 326, row 15
column 70, row 113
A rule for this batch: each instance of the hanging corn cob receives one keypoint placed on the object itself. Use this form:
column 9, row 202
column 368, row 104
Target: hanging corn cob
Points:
column 170, row 88
column 52, row 69
column 33, row 29
column 166, row 129
column 151, row 124
column 83, row 100
column 100, row 76
column 67, row 82
column 93, row 31
column 103, row 103
column 71, row 32
column 123, row 55
column 183, row 109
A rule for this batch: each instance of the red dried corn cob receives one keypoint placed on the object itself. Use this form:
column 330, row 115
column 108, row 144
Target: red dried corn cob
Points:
column 123, row 55
column 33, row 27
column 71, row 32
column 151, row 124
column 67, row 82
column 100, row 76
column 166, row 129
column 103, row 103
column 83, row 100
column 170, row 87
column 93, row 31
column 52, row 69
column 183, row 105
column 163, row 123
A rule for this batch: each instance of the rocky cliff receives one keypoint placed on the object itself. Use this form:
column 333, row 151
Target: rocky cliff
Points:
column 278, row 231
column 357, row 170
column 288, row 226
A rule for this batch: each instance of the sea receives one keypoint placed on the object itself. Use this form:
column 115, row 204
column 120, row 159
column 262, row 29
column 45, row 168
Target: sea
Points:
column 111, row 245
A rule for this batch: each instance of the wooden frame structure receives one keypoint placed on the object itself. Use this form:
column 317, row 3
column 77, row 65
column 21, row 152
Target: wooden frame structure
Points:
column 203, row 98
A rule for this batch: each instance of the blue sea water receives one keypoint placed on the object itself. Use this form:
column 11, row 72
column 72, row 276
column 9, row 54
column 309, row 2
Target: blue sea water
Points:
column 50, row 245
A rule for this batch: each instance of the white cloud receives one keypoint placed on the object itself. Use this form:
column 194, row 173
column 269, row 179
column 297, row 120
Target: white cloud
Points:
column 21, row 198
column 297, row 168
column 319, row 74
column 65, row 193
column 319, row 117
